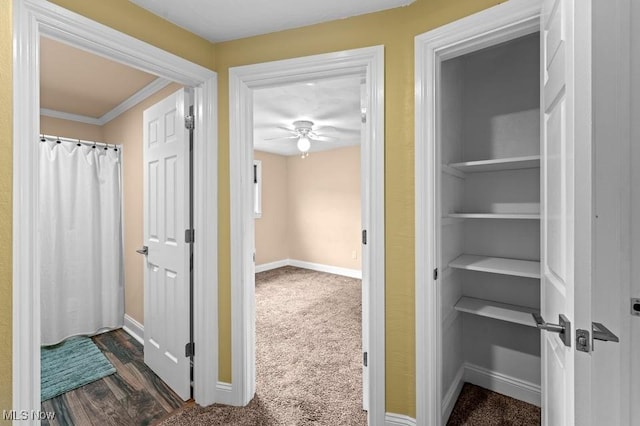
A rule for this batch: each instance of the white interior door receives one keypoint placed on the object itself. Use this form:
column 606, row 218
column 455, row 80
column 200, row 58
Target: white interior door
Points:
column 364, row 264
column 567, row 206
column 166, row 217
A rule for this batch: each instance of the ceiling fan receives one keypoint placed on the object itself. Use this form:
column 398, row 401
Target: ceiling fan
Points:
column 305, row 133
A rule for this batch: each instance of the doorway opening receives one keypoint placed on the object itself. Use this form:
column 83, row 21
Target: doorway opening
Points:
column 245, row 83
column 307, row 207
column 478, row 209
column 40, row 18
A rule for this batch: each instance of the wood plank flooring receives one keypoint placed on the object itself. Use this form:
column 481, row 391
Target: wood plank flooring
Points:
column 134, row 395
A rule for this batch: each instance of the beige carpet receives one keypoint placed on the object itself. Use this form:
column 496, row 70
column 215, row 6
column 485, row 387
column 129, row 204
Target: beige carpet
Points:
column 477, row 406
column 308, row 355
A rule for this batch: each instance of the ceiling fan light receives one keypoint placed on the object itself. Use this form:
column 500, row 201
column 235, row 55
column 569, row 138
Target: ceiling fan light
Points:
column 304, row 144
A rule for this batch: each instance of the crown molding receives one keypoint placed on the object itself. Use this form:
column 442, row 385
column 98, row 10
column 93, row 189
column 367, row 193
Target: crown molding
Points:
column 142, row 94
column 71, row 117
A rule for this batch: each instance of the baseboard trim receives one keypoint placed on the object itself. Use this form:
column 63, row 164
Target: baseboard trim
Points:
column 134, row 328
column 224, row 393
column 346, row 272
column 272, row 265
column 501, row 383
column 450, row 398
column 352, row 273
column 391, row 419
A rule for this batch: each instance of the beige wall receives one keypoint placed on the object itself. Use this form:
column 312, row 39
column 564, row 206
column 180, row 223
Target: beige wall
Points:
column 126, row 129
column 311, row 208
column 272, row 235
column 324, row 207
column 70, row 129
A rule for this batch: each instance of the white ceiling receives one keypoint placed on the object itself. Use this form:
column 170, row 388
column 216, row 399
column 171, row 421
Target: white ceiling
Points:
column 220, row 20
column 334, row 106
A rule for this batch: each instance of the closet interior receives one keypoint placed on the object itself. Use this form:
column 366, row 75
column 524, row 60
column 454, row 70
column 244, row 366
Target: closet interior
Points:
column 489, row 232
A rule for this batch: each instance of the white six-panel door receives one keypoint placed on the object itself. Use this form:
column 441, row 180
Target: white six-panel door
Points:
column 166, row 217
column 566, row 215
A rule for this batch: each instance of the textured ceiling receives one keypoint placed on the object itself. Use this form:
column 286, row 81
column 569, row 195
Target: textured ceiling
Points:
column 334, row 106
column 79, row 82
column 219, row 20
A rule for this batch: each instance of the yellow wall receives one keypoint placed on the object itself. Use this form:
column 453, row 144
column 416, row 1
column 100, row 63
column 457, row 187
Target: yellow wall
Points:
column 135, row 21
column 395, row 29
column 6, row 209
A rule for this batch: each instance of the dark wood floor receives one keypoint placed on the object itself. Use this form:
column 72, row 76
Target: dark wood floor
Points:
column 134, row 395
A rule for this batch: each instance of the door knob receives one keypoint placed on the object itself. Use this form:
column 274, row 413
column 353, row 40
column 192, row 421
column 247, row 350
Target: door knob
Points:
column 144, row 250
column 563, row 328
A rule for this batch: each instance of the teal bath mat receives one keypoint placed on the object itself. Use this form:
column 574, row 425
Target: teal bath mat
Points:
column 73, row 363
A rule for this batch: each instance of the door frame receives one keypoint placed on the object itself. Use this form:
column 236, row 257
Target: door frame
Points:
column 367, row 62
column 32, row 18
column 497, row 24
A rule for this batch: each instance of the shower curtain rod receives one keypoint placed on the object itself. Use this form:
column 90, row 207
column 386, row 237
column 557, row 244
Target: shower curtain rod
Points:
column 80, row 141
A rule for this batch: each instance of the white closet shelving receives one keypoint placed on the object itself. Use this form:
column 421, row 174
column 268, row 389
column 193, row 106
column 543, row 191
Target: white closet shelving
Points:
column 513, row 163
column 497, row 265
column 496, row 310
column 533, row 216
column 490, row 215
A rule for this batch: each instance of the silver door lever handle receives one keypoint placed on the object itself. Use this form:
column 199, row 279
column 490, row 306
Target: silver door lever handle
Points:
column 144, row 250
column 600, row 332
column 563, row 328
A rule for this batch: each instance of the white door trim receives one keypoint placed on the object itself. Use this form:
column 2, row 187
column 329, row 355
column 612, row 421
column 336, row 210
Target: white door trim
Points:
column 367, row 61
column 32, row 18
column 501, row 23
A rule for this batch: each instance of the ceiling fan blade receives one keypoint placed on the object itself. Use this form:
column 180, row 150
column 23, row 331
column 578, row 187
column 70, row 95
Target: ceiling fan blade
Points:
column 329, row 130
column 321, row 137
column 280, row 138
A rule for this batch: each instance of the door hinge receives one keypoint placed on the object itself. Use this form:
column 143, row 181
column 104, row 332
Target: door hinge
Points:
column 365, row 359
column 189, row 235
column 189, row 349
column 435, row 274
column 364, row 236
column 189, row 122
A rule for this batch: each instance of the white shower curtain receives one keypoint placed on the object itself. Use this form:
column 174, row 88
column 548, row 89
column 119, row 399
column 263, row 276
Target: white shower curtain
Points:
column 80, row 231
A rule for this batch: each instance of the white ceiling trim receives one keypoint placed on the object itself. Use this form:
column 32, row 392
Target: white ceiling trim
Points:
column 70, row 117
column 150, row 89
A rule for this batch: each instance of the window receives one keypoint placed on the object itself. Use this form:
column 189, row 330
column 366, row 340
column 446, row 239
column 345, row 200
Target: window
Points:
column 257, row 189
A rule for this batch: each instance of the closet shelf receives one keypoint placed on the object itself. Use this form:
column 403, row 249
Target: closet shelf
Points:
column 452, row 171
column 496, row 310
column 497, row 265
column 499, row 164
column 532, row 216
